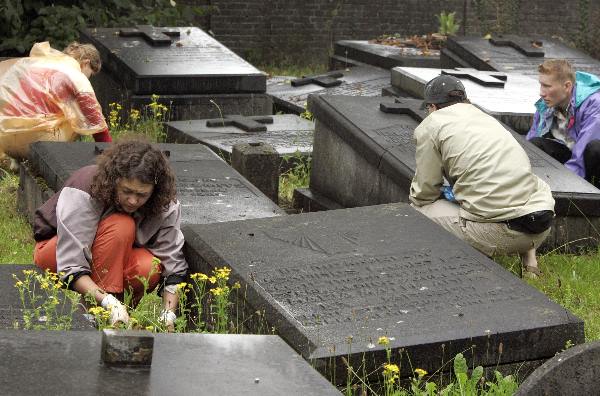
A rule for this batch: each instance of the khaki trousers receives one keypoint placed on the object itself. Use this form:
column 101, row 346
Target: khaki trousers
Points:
column 488, row 238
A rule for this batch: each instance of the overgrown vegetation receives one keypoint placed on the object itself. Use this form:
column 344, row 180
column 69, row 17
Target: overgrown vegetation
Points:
column 16, row 240
column 148, row 122
column 448, row 25
column 23, row 22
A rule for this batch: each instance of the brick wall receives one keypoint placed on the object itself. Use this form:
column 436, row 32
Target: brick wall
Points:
column 303, row 31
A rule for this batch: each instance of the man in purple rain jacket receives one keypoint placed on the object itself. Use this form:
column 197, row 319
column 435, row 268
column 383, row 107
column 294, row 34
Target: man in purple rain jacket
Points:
column 567, row 121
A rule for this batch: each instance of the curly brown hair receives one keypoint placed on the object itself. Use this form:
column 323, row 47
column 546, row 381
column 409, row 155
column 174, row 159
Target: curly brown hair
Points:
column 134, row 159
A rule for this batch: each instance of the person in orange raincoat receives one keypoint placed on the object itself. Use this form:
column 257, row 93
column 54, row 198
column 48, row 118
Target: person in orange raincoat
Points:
column 48, row 97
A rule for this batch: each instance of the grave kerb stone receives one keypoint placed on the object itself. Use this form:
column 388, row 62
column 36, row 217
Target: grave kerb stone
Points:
column 379, row 55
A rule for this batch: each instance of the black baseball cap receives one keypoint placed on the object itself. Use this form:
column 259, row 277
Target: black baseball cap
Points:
column 438, row 89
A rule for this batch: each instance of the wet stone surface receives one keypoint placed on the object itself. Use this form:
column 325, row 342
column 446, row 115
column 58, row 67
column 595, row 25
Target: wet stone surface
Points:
column 355, row 81
column 384, row 56
column 209, row 190
column 182, row 364
column 191, row 62
column 335, row 281
column 511, row 53
column 384, row 140
column 287, row 133
column 11, row 307
column 509, row 97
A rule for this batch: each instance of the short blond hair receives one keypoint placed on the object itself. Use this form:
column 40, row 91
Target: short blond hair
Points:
column 561, row 69
column 83, row 52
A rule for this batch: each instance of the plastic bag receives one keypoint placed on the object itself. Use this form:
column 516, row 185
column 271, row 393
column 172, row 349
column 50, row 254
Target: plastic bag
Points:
column 45, row 97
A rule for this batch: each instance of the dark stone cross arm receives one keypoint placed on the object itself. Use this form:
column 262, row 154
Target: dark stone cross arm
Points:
column 325, row 80
column 154, row 36
column 528, row 47
column 486, row 79
column 402, row 107
column 247, row 124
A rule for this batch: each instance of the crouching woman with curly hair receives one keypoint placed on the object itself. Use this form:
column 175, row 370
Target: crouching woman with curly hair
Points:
column 102, row 230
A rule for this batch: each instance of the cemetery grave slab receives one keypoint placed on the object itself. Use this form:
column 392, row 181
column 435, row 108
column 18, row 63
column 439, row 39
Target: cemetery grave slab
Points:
column 68, row 363
column 510, row 97
column 11, row 307
column 375, row 162
column 287, row 133
column 185, row 66
column 356, row 81
column 209, row 190
column 384, row 56
column 331, row 283
column 512, row 53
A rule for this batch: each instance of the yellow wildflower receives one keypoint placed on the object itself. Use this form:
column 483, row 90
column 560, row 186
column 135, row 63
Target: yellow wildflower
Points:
column 389, row 368
column 217, row 291
column 222, row 273
column 28, row 272
column 420, row 372
column 19, row 284
column 212, row 280
column 181, row 285
column 236, row 285
column 199, row 276
column 383, row 340
column 150, row 328
column 134, row 115
column 45, row 285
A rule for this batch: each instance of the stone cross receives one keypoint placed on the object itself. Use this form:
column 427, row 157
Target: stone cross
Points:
column 154, row 36
column 402, row 107
column 484, row 78
column 247, row 124
column 528, row 47
column 325, row 80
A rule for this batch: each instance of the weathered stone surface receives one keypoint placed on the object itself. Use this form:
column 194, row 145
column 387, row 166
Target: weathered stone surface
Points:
column 32, row 193
column 356, row 81
column 510, row 97
column 209, row 190
column 575, row 371
column 333, row 282
column 259, row 164
column 374, row 161
column 520, row 57
column 384, row 56
column 68, row 363
column 187, row 72
column 127, row 348
column 11, row 307
column 288, row 134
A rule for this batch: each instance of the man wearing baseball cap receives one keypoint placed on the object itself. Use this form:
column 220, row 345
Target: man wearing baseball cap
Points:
column 493, row 202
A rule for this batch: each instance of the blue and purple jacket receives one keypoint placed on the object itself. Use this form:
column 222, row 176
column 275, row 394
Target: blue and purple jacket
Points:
column 584, row 118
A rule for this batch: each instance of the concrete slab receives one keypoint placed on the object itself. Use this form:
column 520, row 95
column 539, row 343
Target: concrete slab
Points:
column 68, row 363
column 512, row 53
column 187, row 68
column 374, row 161
column 355, row 81
column 287, row 133
column 384, row 56
column 333, row 282
column 510, row 97
column 209, row 190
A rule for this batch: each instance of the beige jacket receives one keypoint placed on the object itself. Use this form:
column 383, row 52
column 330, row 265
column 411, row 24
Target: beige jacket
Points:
column 488, row 169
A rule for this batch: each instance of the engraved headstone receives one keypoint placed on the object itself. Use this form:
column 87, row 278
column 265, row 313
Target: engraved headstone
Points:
column 380, row 147
column 209, row 190
column 512, row 53
column 287, row 133
column 191, row 72
column 11, row 306
column 331, row 283
column 352, row 52
column 356, row 81
column 510, row 97
column 263, row 365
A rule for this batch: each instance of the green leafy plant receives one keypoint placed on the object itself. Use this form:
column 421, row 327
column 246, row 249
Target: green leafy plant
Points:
column 148, row 121
column 448, row 25
column 297, row 176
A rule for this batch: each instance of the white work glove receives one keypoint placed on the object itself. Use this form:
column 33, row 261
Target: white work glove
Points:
column 167, row 317
column 118, row 312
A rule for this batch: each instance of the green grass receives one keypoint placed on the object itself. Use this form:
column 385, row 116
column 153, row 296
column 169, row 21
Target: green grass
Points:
column 16, row 239
column 572, row 281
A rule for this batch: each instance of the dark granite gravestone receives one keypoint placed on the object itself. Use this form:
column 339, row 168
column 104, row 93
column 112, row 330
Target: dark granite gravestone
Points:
column 193, row 74
column 68, row 363
column 11, row 307
column 348, row 52
column 511, row 53
column 510, row 97
column 374, row 163
column 575, row 371
column 356, row 81
column 287, row 133
column 209, row 190
column 331, row 283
